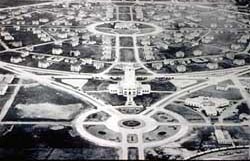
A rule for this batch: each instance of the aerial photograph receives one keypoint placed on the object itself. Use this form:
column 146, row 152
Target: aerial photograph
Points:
column 124, row 80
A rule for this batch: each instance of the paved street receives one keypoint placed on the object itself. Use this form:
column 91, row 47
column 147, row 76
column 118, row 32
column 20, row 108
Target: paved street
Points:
column 161, row 116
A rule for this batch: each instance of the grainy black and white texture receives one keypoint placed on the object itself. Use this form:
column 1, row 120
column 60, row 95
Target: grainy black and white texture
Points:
column 124, row 79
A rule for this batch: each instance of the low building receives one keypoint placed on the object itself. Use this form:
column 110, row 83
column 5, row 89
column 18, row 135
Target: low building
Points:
column 223, row 137
column 235, row 46
column 210, row 105
column 244, row 117
column 167, row 61
column 106, row 40
column 109, row 12
column 58, row 43
column 36, row 31
column 148, row 53
column 74, row 53
column 20, row 22
column 17, row 44
column 45, row 39
column 88, row 60
column 3, row 89
column 75, row 43
column 212, row 66
column 145, row 42
column 2, row 17
column 181, row 68
column 17, row 28
column 41, row 35
column 62, row 35
column 9, row 38
column 139, row 12
column 197, row 53
column 223, row 87
column 76, row 67
column 157, row 65
column 43, row 64
column 162, row 46
column 239, row 62
column 98, row 65
column 35, row 23
column 126, row 25
column 4, row 81
column 57, row 51
column 208, row 39
column 180, row 54
column 107, row 53
column 230, row 56
column 16, row 59
column 44, row 20
column 214, row 25
column 247, row 88
column 4, row 33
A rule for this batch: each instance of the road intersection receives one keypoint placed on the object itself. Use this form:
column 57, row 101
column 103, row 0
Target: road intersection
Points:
column 147, row 123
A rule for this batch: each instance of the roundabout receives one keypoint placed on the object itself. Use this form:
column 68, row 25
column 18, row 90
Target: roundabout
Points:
column 114, row 131
column 123, row 28
column 129, row 68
